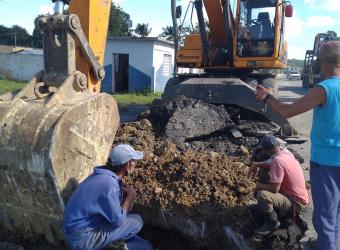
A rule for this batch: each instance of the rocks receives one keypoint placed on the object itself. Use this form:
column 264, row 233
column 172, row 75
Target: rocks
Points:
column 195, row 125
column 236, row 134
column 184, row 118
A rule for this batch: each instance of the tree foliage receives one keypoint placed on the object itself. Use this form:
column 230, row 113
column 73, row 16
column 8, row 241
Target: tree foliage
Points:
column 15, row 35
column 142, row 29
column 37, row 39
column 119, row 23
column 182, row 32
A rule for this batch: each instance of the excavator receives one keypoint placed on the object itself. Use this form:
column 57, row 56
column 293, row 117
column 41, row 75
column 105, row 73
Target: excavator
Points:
column 59, row 125
column 237, row 48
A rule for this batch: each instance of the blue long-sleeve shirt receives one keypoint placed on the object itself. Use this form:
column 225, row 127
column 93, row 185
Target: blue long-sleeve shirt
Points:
column 96, row 201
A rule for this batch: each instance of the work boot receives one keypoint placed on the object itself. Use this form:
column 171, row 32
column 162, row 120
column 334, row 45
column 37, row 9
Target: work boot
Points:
column 270, row 225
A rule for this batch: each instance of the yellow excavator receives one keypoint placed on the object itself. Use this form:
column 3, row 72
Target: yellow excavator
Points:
column 236, row 48
column 58, row 126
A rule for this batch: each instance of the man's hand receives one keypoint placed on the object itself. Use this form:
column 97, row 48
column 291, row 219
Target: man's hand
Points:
column 252, row 170
column 130, row 198
column 262, row 92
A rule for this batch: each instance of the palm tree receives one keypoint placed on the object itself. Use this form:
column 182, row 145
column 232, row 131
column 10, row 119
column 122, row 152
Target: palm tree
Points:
column 168, row 33
column 142, row 29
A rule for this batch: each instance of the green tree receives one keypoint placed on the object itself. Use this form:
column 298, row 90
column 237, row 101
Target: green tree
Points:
column 142, row 29
column 167, row 33
column 6, row 36
column 37, row 38
column 15, row 35
column 119, row 23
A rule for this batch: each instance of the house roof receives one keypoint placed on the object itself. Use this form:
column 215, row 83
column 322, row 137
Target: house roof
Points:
column 150, row 39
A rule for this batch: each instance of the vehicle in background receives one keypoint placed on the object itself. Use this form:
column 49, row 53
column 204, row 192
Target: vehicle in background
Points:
column 311, row 69
column 294, row 75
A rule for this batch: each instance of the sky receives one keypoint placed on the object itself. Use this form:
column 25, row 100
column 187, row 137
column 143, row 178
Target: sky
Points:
column 310, row 17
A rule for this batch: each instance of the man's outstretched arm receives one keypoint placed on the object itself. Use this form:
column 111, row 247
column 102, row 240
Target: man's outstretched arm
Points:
column 316, row 96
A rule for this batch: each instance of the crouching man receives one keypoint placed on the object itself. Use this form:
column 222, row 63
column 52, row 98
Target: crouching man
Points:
column 286, row 190
column 97, row 214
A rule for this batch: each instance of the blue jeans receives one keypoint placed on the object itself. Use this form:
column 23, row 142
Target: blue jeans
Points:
column 325, row 185
column 102, row 236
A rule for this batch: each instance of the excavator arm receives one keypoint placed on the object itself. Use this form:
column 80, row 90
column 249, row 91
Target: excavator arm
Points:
column 94, row 19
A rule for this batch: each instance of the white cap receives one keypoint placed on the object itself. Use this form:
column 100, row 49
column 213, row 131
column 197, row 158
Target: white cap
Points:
column 123, row 153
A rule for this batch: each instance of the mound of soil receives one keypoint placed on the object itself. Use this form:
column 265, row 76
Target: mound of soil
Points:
column 193, row 180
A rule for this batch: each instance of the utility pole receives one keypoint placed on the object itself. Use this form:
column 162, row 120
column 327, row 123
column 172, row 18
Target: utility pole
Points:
column 15, row 40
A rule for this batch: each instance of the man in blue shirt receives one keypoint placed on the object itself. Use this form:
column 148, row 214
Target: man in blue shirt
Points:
column 96, row 215
column 324, row 99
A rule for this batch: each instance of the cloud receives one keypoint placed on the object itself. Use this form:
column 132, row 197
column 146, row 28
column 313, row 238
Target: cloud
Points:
column 296, row 51
column 329, row 5
column 46, row 9
column 117, row 1
column 321, row 21
column 295, row 26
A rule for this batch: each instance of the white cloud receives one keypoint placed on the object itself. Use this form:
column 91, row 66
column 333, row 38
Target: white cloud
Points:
column 117, row 1
column 321, row 21
column 294, row 26
column 46, row 9
column 296, row 51
column 329, row 5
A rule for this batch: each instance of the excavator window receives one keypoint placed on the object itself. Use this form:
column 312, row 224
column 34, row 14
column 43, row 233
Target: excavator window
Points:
column 256, row 30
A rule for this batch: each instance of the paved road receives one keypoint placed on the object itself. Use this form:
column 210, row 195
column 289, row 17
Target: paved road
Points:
column 289, row 91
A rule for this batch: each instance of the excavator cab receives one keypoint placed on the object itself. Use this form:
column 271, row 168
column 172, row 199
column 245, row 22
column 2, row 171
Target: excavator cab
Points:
column 256, row 31
column 260, row 26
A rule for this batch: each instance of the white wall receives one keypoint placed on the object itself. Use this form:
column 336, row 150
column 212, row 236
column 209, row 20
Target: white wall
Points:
column 162, row 74
column 20, row 67
column 140, row 59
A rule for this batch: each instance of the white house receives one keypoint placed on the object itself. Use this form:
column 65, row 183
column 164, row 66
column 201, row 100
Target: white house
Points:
column 137, row 64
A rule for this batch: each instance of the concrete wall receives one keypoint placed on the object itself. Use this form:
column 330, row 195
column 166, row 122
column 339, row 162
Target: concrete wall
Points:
column 163, row 64
column 140, row 63
column 20, row 67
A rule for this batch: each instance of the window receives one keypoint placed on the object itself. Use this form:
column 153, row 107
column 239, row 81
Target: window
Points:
column 256, row 28
column 166, row 66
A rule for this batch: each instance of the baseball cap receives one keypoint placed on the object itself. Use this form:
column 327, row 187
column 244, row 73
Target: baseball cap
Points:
column 269, row 142
column 123, row 153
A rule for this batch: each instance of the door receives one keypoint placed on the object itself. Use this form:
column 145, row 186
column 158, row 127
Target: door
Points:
column 120, row 74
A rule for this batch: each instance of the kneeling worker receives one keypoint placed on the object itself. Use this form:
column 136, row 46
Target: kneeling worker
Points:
column 286, row 189
column 96, row 215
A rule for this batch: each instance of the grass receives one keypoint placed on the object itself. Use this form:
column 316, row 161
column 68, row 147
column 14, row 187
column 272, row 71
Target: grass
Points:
column 143, row 98
column 9, row 86
column 136, row 98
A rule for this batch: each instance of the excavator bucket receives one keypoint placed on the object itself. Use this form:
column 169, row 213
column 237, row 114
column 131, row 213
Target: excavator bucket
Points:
column 52, row 133
column 47, row 146
column 228, row 91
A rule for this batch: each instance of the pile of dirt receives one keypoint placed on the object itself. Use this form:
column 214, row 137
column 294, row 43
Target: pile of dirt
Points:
column 196, row 193
column 193, row 179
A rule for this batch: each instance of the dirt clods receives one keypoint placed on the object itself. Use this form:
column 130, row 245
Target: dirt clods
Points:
column 193, row 179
